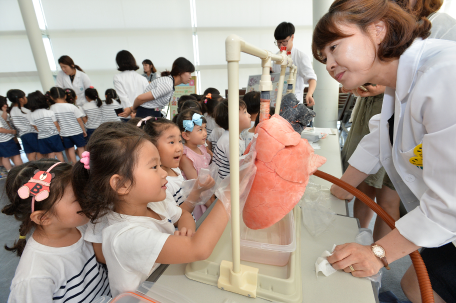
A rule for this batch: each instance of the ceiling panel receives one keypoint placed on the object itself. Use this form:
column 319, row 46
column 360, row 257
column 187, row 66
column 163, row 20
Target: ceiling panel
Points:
column 10, row 16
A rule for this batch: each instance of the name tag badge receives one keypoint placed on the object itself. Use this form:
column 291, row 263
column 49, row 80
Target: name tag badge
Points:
column 418, row 159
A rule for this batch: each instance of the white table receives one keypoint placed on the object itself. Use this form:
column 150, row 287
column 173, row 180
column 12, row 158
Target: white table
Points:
column 339, row 287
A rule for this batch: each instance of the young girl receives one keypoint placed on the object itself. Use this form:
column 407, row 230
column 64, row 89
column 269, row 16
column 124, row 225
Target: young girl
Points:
column 210, row 101
column 72, row 128
column 111, row 107
column 56, row 263
column 19, row 117
column 193, row 128
column 45, row 122
column 8, row 147
column 92, row 110
column 122, row 178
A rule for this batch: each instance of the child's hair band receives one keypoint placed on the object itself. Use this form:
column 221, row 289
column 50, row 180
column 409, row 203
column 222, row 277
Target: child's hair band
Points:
column 144, row 120
column 21, row 237
column 189, row 124
column 85, row 159
column 208, row 96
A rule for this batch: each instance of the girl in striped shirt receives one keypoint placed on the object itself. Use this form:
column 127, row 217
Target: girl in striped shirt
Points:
column 92, row 110
column 19, row 116
column 8, row 147
column 45, row 122
column 72, row 128
column 56, row 264
column 111, row 106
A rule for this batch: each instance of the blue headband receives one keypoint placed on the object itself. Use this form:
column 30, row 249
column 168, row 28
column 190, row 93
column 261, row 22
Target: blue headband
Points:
column 189, row 124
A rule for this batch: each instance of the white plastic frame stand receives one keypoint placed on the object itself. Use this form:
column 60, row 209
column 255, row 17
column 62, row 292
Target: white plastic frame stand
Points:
column 234, row 276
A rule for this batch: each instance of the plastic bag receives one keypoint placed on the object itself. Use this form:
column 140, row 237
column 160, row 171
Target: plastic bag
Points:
column 316, row 216
column 189, row 185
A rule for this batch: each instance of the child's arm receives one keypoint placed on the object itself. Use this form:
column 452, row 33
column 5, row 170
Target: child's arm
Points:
column 81, row 124
column 98, row 253
column 7, row 131
column 36, row 128
column 186, row 165
column 186, row 225
column 194, row 196
column 57, row 125
column 84, row 119
column 199, row 247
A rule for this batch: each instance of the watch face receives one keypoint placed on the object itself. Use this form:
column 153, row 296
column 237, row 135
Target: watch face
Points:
column 378, row 251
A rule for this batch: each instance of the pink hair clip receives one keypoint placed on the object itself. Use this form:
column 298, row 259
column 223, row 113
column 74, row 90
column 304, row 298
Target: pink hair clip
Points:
column 85, row 159
column 91, row 87
column 144, row 120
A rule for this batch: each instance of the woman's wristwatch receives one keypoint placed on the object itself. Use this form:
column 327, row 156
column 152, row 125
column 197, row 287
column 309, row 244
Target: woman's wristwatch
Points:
column 380, row 253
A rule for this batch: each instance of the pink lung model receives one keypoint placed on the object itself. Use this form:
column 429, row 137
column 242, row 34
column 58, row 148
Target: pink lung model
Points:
column 284, row 163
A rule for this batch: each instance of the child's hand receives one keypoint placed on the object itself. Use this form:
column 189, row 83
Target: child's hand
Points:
column 184, row 232
column 84, row 133
column 202, row 186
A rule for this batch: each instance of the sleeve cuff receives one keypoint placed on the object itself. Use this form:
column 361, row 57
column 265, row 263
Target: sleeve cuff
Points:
column 364, row 161
column 422, row 231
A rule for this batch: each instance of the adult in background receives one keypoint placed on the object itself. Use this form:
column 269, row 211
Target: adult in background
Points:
column 128, row 84
column 373, row 41
column 284, row 36
column 160, row 91
column 72, row 76
column 149, row 70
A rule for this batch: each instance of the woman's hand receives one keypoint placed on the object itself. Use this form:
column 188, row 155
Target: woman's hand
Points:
column 127, row 111
column 340, row 193
column 360, row 257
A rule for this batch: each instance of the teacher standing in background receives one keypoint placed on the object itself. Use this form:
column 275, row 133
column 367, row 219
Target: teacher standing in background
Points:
column 149, row 70
column 72, row 76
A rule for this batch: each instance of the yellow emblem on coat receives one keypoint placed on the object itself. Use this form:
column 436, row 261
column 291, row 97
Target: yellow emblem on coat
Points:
column 418, row 159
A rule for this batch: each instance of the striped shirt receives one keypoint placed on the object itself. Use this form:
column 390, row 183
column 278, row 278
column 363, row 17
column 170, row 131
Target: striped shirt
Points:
column 93, row 113
column 44, row 120
column 59, row 274
column 174, row 186
column 222, row 155
column 67, row 115
column 109, row 113
column 162, row 89
column 5, row 137
column 21, row 122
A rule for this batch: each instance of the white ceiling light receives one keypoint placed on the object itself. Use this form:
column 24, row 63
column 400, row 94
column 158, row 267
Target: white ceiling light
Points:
column 39, row 14
column 49, row 53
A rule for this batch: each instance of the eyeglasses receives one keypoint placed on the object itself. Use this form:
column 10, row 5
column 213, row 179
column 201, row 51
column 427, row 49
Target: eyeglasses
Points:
column 282, row 42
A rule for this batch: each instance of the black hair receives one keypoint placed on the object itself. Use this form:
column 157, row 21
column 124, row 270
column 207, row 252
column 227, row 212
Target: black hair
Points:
column 210, row 102
column 271, row 113
column 154, row 127
column 191, row 104
column 187, row 115
column 92, row 94
column 284, row 30
column 252, row 99
column 36, row 100
column 198, row 97
column 126, row 61
column 20, row 208
column 3, row 101
column 111, row 95
column 180, row 66
column 14, row 95
column 184, row 98
column 152, row 67
column 113, row 149
column 211, row 90
column 66, row 60
column 70, row 96
column 221, row 113
column 54, row 93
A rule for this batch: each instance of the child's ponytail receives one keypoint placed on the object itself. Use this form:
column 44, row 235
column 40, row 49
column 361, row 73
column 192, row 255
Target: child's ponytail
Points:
column 92, row 94
column 14, row 95
column 70, row 96
column 111, row 95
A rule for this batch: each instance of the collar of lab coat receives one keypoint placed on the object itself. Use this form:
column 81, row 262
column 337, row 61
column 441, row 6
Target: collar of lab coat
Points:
column 407, row 68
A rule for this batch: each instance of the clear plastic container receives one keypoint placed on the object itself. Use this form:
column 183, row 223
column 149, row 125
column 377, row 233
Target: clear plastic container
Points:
column 272, row 245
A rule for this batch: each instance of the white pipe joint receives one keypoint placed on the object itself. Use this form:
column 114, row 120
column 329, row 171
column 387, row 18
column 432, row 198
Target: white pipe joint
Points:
column 233, row 48
column 265, row 82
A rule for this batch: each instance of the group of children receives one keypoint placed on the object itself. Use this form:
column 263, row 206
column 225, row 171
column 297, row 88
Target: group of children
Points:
column 50, row 123
column 128, row 184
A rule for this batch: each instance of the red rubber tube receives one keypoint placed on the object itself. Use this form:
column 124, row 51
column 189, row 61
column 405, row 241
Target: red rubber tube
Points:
column 427, row 295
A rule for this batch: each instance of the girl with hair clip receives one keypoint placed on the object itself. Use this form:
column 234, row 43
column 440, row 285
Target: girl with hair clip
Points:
column 209, row 103
column 111, row 107
column 128, row 84
column 72, row 76
column 92, row 110
column 8, row 147
column 160, row 91
column 120, row 179
column 56, row 263
column 72, row 128
column 45, row 122
column 19, row 118
column 149, row 70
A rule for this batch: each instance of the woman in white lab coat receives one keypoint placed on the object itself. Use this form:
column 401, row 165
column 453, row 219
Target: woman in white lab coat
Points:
column 372, row 41
column 72, row 76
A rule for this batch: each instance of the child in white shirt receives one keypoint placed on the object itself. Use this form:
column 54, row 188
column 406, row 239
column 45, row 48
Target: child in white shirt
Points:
column 120, row 177
column 111, row 107
column 92, row 110
column 56, row 263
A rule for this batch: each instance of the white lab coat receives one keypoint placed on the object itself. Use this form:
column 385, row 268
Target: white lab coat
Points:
column 305, row 71
column 424, row 107
column 443, row 26
column 80, row 83
column 129, row 85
